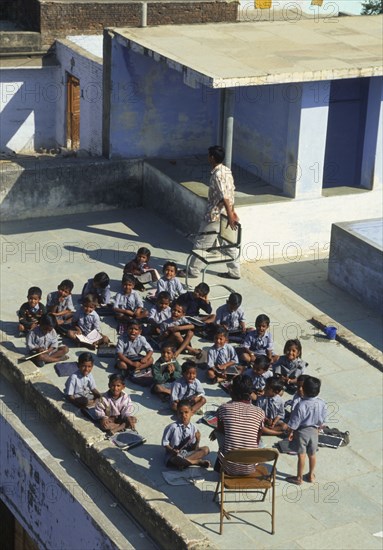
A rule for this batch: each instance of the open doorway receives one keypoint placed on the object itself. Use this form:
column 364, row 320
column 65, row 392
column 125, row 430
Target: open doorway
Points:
column 345, row 133
column 73, row 112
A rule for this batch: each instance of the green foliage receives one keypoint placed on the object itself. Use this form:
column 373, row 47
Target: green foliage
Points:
column 372, row 7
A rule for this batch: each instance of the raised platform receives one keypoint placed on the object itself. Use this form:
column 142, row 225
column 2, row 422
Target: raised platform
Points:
column 356, row 260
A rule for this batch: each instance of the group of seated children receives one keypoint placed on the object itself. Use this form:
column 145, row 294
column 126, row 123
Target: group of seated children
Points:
column 170, row 323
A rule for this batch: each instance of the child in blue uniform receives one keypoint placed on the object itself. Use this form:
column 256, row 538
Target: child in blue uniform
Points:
column 272, row 405
column 60, row 304
column 128, row 304
column 31, row 311
column 134, row 353
column 258, row 341
column 304, row 423
column 169, row 281
column 181, row 441
column 98, row 287
column 220, row 357
column 188, row 388
column 80, row 388
column 44, row 338
column 290, row 365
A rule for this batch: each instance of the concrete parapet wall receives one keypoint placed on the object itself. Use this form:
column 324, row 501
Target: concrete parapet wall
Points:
column 356, row 263
column 151, row 508
column 184, row 207
column 22, row 41
column 37, row 188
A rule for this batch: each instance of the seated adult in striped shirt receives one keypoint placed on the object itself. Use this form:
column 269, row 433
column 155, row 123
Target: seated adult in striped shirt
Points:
column 239, row 425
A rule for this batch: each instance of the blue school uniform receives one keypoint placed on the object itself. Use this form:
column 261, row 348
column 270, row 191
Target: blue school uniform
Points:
column 231, row 319
column 102, row 294
column 88, row 322
column 130, row 301
column 132, row 348
column 271, row 406
column 259, row 345
column 220, row 356
column 173, row 286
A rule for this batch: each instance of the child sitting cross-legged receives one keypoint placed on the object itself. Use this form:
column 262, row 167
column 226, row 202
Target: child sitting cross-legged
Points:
column 290, row 365
column 128, row 304
column 178, row 331
column 139, row 268
column 43, row 338
column 220, row 357
column 99, row 287
column 259, row 373
column 169, row 281
column 231, row 315
column 32, row 310
column 114, row 408
column 134, row 353
column 188, row 388
column 181, row 441
column 166, row 370
column 196, row 300
column 273, row 406
column 60, row 304
column 80, row 388
column 86, row 320
column 159, row 313
column 258, row 341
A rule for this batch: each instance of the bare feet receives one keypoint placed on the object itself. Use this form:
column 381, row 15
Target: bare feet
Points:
column 310, row 478
column 294, row 479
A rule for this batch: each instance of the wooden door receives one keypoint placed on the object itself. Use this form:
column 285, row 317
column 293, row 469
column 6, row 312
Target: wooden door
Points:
column 73, row 112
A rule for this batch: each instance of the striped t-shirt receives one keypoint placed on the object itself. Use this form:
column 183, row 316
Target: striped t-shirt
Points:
column 242, row 424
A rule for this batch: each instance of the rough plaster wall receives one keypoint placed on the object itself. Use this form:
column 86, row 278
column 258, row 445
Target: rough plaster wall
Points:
column 89, row 71
column 29, row 98
column 44, row 506
column 153, row 113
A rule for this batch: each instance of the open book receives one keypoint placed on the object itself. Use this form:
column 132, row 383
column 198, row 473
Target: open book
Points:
column 91, row 339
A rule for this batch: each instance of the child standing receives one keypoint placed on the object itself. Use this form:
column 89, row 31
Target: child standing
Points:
column 114, row 408
column 31, row 311
column 188, row 388
column 85, row 320
column 258, row 341
column 44, row 338
column 169, row 281
column 130, row 347
column 259, row 374
column 98, row 287
column 166, row 370
column 220, row 357
column 273, row 406
column 171, row 330
column 139, row 268
column 231, row 315
column 59, row 302
column 304, row 423
column 128, row 304
column 181, row 441
column 290, row 365
column 80, row 388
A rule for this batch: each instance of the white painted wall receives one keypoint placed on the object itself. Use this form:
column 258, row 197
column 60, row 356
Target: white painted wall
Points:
column 88, row 69
column 306, row 224
column 28, row 102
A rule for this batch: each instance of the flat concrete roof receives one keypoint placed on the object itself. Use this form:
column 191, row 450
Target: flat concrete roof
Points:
column 223, row 55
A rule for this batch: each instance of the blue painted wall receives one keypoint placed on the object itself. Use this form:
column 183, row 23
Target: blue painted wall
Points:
column 261, row 127
column 153, row 113
column 46, row 508
column 29, row 99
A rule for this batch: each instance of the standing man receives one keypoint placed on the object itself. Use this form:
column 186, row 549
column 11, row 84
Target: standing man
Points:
column 220, row 200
